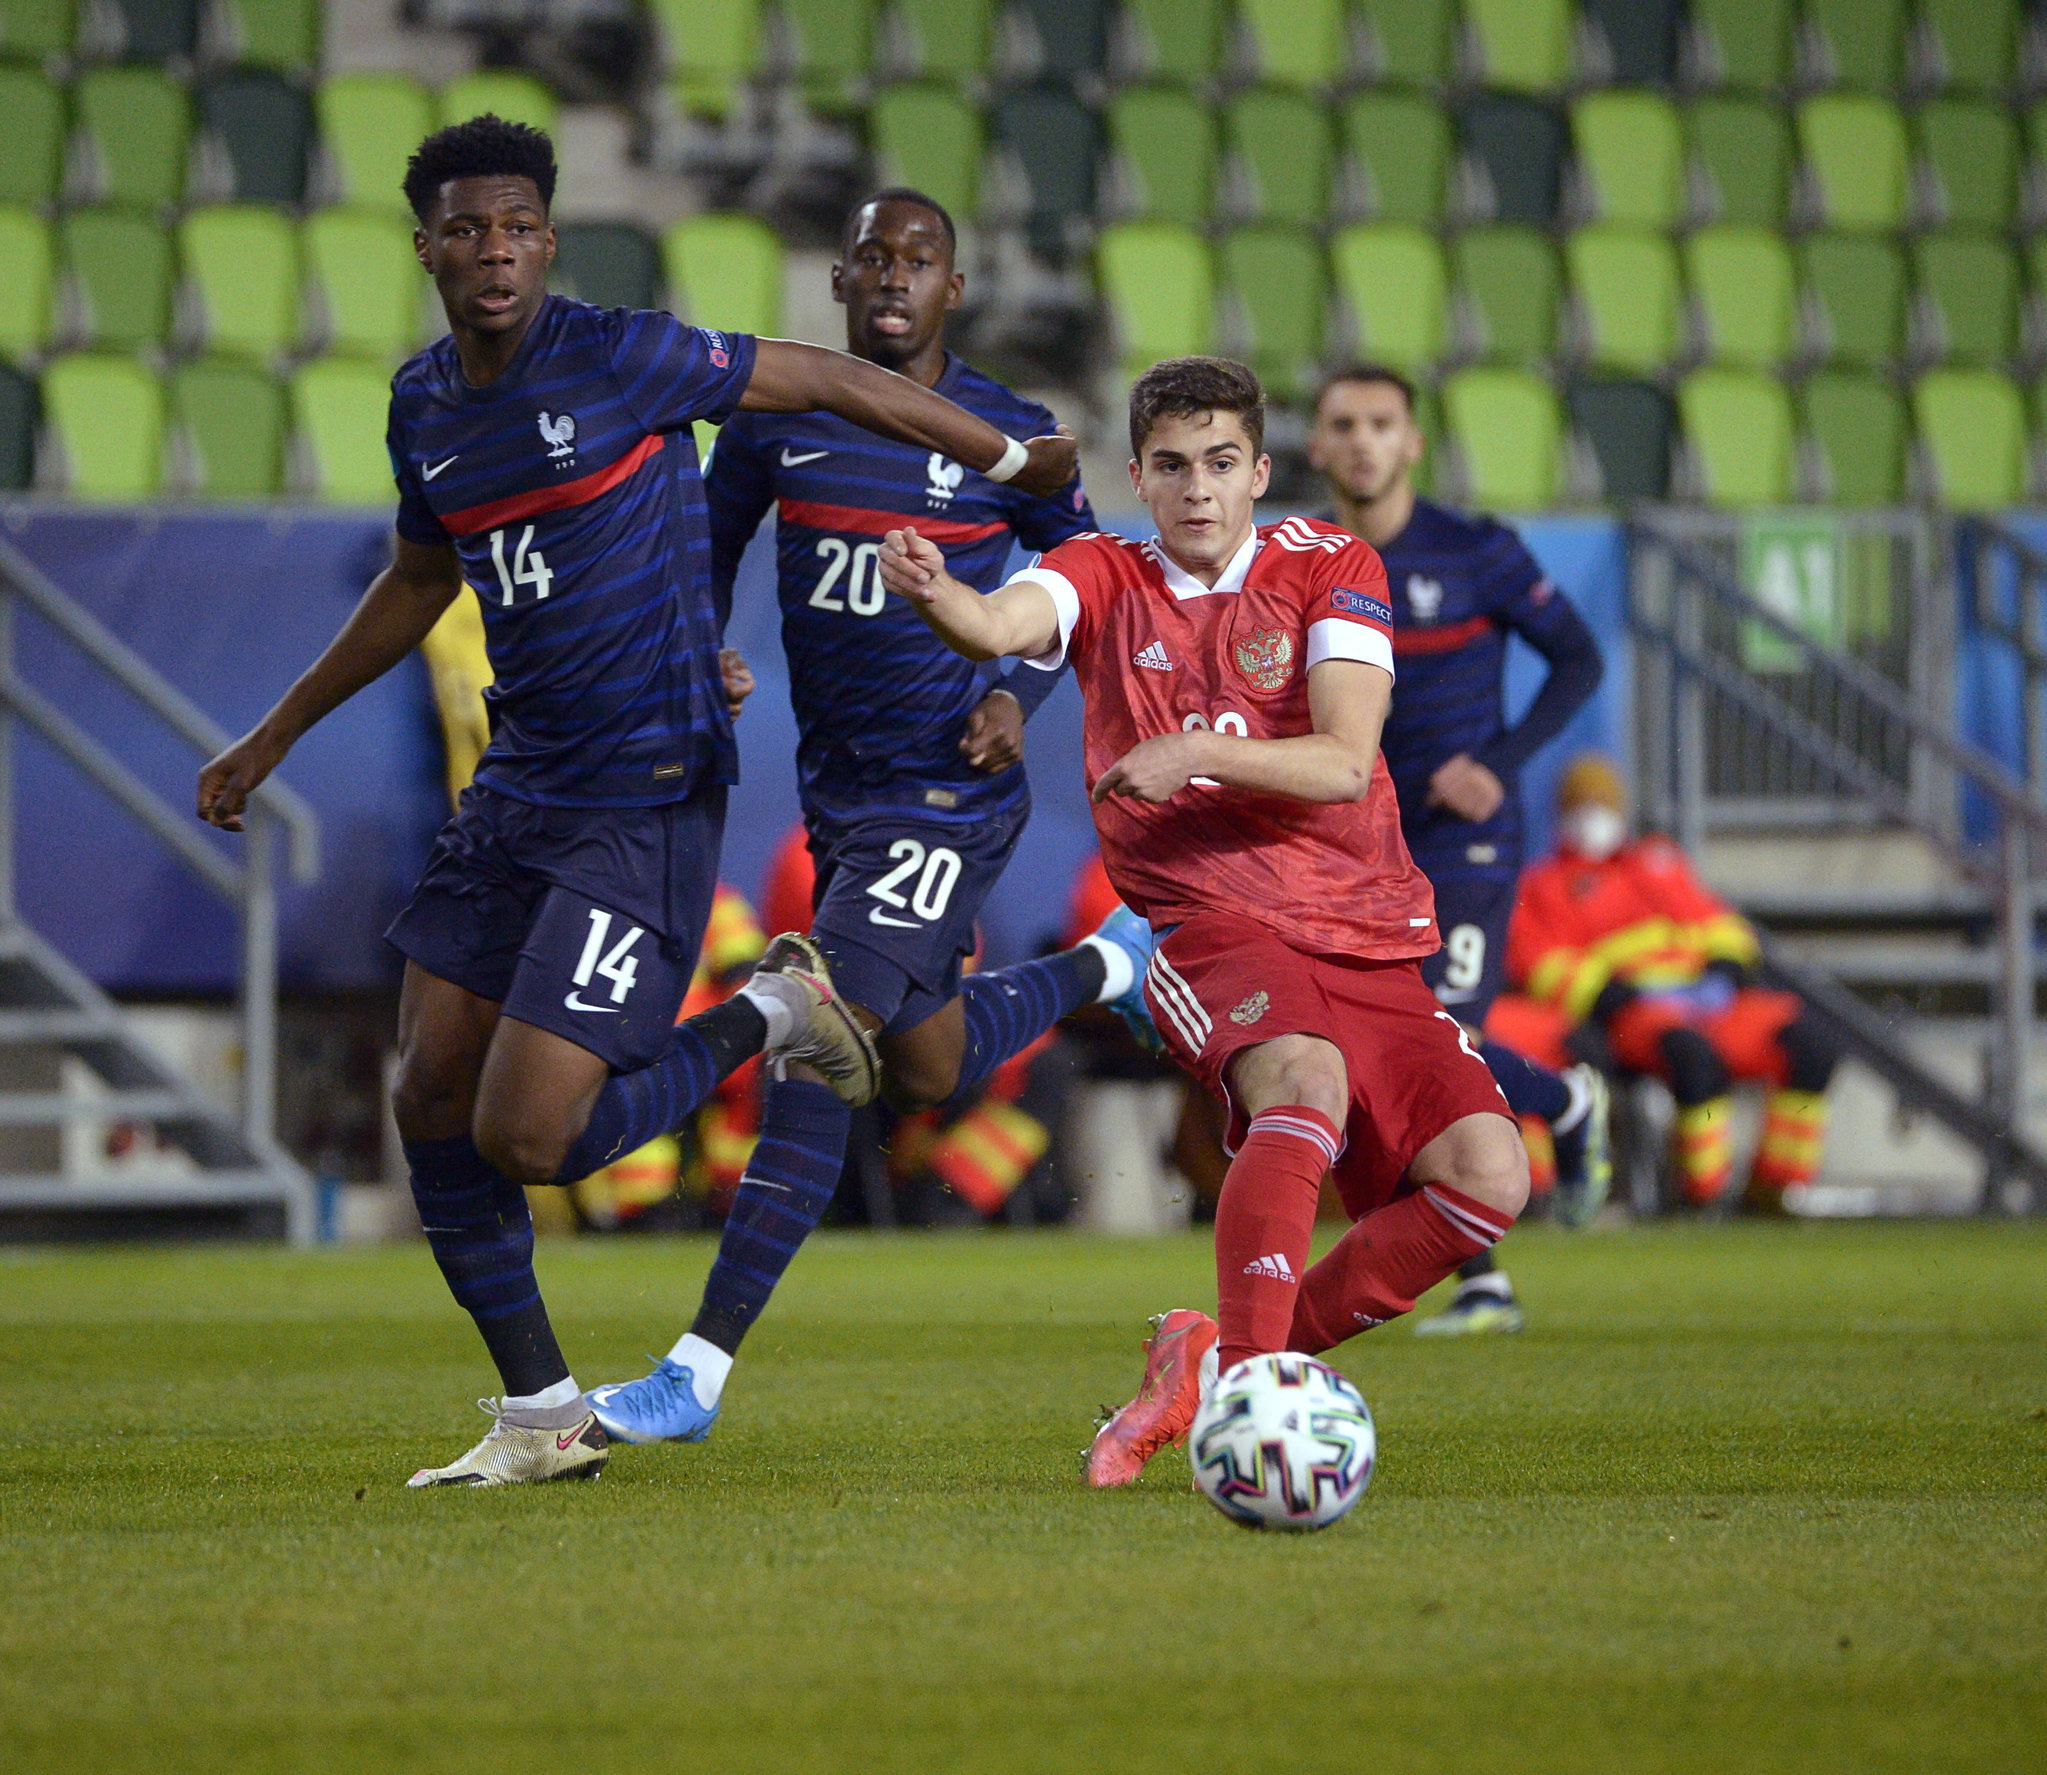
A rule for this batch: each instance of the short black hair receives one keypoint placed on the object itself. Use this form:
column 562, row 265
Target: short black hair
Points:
column 482, row 148
column 1366, row 373
column 1180, row 386
column 901, row 194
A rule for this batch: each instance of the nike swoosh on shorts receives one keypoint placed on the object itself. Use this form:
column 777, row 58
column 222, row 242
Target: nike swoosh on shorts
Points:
column 789, row 461
column 575, row 1003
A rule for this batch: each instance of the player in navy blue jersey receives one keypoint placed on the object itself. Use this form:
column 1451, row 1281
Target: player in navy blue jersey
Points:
column 909, row 763
column 1461, row 585
column 543, row 453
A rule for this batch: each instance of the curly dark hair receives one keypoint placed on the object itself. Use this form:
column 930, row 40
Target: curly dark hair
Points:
column 1179, row 386
column 482, row 147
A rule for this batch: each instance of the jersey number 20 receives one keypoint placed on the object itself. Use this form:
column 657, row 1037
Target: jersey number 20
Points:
column 855, row 564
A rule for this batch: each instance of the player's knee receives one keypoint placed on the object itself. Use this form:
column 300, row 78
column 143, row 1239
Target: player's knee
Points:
column 1302, row 1069
column 527, row 1153
column 431, row 1097
column 911, row 1086
column 1492, row 1166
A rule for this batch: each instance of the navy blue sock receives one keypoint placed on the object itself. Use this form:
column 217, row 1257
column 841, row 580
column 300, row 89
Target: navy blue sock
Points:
column 1010, row 1008
column 482, row 1237
column 786, row 1189
column 635, row 1107
column 1530, row 1090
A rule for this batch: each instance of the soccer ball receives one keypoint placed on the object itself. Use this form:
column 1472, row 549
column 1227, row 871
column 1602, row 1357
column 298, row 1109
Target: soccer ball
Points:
column 1283, row 1442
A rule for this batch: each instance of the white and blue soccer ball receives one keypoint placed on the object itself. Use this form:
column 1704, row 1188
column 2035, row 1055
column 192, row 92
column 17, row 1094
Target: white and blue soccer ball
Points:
column 1283, row 1441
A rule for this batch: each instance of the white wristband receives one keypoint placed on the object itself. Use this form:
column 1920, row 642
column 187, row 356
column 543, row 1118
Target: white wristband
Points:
column 1010, row 463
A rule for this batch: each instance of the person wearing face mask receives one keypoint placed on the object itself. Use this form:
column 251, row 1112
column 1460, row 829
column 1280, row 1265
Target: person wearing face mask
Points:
column 1654, row 973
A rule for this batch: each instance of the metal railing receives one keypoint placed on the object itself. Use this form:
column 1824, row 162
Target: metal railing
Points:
column 248, row 886
column 1873, row 745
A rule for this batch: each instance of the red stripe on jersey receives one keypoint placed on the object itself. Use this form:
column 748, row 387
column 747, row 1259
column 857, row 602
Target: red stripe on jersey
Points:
column 870, row 523
column 500, row 512
column 1444, row 640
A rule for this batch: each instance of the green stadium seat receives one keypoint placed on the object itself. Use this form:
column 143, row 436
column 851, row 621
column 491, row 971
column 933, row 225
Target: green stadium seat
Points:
column 1635, row 41
column 1164, row 141
column 1397, row 145
column 106, row 418
column 1300, row 43
column 369, row 126
column 1277, row 280
column 1179, row 40
column 1969, row 296
column 136, row 124
column 1282, row 149
column 227, row 427
column 517, row 98
column 1746, row 295
column 1975, row 43
column 32, row 145
column 280, row 34
column 156, row 30
column 262, row 126
column 35, row 30
column 1158, row 283
column 1630, row 429
column 1523, row 45
column 1517, row 145
column 241, row 263
column 1626, row 284
column 1855, row 428
column 1740, row 160
column 1630, row 157
column 1737, row 426
column 1972, row 152
column 1746, row 44
column 338, row 407
column 1972, row 429
column 28, row 283
column 1862, row 42
column 1855, row 285
column 1393, row 281
column 944, row 39
column 613, row 264
column 118, row 274
column 1509, row 435
column 709, row 50
column 929, row 137
column 20, row 414
column 1414, row 42
column 1854, row 148
column 831, row 46
column 365, row 282
column 725, row 271
column 1509, row 288
column 1055, row 141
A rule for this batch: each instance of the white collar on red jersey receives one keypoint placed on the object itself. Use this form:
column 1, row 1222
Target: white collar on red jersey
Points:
column 1183, row 584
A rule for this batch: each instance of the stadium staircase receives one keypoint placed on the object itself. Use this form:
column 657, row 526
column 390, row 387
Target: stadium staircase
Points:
column 213, row 1162
column 1895, row 871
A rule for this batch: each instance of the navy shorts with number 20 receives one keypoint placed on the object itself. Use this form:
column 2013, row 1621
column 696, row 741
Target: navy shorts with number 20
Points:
column 896, row 901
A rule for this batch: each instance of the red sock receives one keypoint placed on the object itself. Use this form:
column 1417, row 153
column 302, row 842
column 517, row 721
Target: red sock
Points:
column 1263, row 1223
column 1388, row 1261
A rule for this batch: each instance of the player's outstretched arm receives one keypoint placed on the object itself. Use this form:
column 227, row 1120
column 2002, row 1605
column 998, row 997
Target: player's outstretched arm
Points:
column 1017, row 618
column 403, row 602
column 1347, row 701
column 789, row 377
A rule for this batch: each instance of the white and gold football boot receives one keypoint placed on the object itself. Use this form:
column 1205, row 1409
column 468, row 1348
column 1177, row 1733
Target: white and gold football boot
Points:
column 516, row 1453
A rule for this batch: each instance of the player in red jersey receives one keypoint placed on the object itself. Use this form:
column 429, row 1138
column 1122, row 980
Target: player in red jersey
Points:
column 1236, row 678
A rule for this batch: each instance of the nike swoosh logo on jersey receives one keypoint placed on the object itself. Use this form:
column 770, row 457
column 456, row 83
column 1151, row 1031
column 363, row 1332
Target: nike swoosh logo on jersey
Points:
column 789, row 461
column 877, row 916
column 575, row 1003
column 427, row 474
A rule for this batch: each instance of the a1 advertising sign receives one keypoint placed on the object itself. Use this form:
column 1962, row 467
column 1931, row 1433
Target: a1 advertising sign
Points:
column 1791, row 563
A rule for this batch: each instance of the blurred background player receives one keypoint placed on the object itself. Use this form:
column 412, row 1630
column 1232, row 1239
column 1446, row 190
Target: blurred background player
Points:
column 1459, row 586
column 1236, row 679
column 1648, row 970
column 543, row 452
column 909, row 764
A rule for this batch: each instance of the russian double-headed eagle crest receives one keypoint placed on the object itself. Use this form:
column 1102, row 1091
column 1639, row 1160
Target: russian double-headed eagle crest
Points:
column 1266, row 657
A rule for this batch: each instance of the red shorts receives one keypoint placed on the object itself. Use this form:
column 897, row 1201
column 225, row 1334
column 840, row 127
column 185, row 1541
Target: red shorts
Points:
column 1219, row 984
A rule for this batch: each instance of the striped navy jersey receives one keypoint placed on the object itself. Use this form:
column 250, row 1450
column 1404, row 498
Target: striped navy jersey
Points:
column 569, row 488
column 880, row 700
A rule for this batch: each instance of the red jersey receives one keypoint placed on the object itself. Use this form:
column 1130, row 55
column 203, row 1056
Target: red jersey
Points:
column 1157, row 652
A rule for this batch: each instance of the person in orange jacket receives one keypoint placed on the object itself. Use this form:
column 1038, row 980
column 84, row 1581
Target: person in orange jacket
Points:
column 1654, row 973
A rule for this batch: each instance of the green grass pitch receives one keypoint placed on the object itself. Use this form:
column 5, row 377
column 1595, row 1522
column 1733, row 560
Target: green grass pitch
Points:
column 1741, row 1499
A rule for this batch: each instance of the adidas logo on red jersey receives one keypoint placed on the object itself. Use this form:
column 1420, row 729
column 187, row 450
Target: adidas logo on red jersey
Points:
column 1153, row 658
column 1275, row 1266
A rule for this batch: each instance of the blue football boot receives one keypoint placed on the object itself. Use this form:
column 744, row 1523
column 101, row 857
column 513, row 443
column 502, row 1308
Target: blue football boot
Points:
column 660, row 1407
column 1133, row 936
